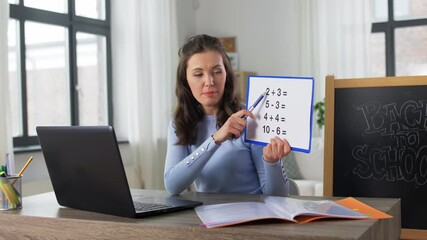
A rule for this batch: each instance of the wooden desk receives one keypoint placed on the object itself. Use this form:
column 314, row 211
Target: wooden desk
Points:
column 42, row 218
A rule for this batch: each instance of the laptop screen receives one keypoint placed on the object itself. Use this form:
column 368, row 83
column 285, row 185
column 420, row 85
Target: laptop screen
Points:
column 87, row 172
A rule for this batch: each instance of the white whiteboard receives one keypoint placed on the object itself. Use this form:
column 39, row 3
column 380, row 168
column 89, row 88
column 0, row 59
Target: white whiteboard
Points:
column 286, row 111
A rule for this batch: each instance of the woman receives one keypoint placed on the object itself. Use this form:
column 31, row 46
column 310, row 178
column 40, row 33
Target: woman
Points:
column 205, row 142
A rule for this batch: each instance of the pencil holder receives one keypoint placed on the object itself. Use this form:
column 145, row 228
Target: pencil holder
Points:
column 10, row 193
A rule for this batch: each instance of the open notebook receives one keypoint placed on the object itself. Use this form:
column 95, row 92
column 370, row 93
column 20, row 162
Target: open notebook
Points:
column 286, row 209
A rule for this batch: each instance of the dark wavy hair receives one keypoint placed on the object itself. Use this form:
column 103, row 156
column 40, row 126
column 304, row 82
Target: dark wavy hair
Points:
column 188, row 111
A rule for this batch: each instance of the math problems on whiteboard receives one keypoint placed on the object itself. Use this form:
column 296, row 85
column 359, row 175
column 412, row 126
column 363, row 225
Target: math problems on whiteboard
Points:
column 274, row 118
column 286, row 111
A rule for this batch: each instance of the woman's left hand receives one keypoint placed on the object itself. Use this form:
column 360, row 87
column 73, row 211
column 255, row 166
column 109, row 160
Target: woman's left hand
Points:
column 276, row 150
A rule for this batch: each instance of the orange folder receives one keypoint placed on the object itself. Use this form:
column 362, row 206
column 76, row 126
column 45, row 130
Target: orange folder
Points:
column 354, row 205
column 358, row 206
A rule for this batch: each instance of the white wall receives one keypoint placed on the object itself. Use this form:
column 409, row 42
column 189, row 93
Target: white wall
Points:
column 186, row 19
column 263, row 31
column 267, row 33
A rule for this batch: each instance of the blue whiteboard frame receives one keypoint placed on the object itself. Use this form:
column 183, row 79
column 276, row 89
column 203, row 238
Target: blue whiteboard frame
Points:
column 311, row 110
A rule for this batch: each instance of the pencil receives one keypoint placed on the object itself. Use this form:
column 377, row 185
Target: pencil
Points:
column 5, row 192
column 25, row 166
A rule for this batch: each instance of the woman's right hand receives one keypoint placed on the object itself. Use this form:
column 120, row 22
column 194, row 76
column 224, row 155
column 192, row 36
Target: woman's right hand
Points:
column 233, row 126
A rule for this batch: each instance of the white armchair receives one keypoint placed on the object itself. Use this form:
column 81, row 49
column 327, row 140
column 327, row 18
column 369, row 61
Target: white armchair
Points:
column 306, row 170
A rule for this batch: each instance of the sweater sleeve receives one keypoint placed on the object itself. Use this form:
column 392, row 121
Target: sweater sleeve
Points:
column 276, row 181
column 182, row 167
column 272, row 176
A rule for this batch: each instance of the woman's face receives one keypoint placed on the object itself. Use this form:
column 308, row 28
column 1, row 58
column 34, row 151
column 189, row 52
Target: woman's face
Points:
column 206, row 77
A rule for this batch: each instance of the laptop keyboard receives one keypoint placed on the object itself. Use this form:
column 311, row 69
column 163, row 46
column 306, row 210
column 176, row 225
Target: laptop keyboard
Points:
column 145, row 207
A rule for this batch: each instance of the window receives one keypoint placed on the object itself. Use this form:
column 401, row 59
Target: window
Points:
column 59, row 61
column 399, row 34
column 47, row 76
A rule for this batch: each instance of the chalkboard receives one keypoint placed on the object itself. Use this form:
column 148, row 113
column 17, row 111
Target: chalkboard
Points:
column 376, row 142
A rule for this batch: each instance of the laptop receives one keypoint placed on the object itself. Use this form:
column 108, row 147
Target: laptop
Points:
column 87, row 173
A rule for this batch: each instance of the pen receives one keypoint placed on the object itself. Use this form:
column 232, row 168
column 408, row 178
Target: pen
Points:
column 10, row 163
column 25, row 166
column 251, row 108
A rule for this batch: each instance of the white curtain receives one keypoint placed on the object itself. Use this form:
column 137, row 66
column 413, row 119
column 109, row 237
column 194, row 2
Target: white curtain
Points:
column 5, row 122
column 145, row 47
column 335, row 37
